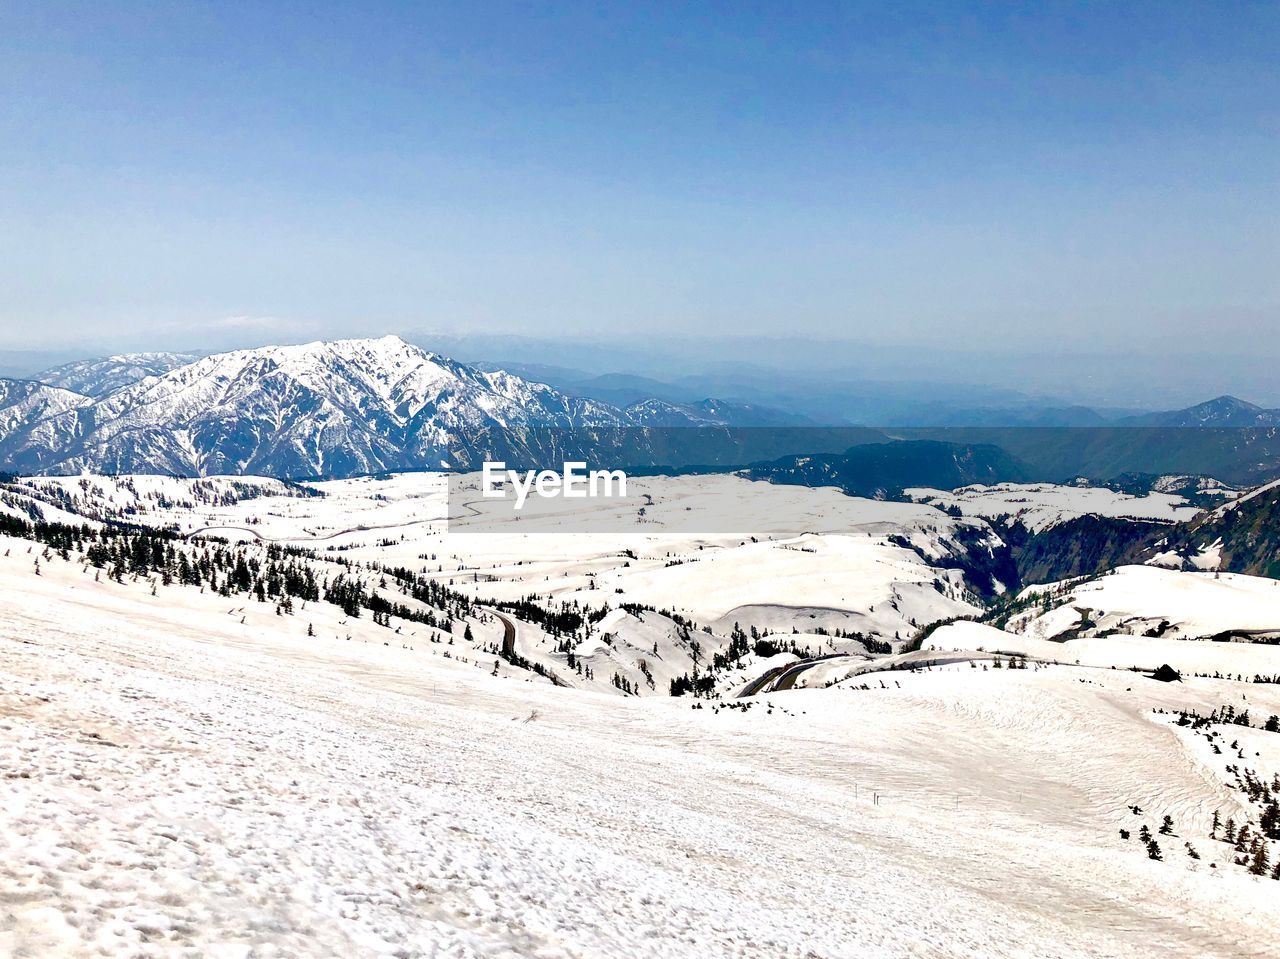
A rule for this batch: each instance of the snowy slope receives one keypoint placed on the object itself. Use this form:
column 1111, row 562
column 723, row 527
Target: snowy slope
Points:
column 781, row 546
column 181, row 783
column 159, row 501
column 1228, row 507
column 1039, row 506
column 25, row 407
column 1134, row 600
column 23, row 402
column 791, row 560
column 1119, row 651
column 1241, row 536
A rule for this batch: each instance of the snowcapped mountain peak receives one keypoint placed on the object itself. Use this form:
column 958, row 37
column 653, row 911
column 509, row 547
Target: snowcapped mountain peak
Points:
column 329, row 408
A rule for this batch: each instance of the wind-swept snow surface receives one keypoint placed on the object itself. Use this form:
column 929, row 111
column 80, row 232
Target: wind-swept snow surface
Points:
column 186, row 780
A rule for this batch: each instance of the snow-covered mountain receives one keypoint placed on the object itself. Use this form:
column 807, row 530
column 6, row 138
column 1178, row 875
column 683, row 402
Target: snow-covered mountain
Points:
column 321, row 409
column 336, row 408
column 25, row 406
column 104, row 376
column 357, row 406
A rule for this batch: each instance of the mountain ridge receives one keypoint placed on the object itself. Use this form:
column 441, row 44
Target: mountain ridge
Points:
column 102, row 376
column 371, row 405
column 1221, row 411
column 326, row 408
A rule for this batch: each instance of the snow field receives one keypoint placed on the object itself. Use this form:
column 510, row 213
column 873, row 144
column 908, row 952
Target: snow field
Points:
column 818, row 559
column 183, row 785
column 1042, row 505
column 1136, row 598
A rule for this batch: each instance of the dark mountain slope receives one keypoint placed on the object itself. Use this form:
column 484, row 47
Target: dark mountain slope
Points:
column 885, row 469
column 1083, row 546
column 1248, row 530
column 1222, row 411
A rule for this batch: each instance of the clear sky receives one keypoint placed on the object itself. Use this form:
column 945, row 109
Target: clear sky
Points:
column 1029, row 175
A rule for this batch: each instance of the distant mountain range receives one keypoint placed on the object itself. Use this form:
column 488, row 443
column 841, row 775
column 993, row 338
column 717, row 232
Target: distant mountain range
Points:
column 349, row 407
column 1225, row 411
column 813, row 397
column 322, row 409
column 819, row 399
column 1225, row 438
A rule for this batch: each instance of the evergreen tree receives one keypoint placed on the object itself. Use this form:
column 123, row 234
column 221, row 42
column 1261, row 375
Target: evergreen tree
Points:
column 1261, row 862
column 1242, row 839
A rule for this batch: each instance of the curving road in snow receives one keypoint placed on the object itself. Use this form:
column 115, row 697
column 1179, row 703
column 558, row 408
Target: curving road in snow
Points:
column 784, row 677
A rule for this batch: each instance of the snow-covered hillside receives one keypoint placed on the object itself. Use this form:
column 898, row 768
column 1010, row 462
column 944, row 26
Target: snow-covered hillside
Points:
column 189, row 776
column 25, row 403
column 1135, row 600
column 791, row 560
column 1240, row 536
column 1039, row 506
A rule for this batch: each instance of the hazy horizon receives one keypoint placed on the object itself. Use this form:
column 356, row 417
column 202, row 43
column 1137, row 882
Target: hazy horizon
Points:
column 1152, row 380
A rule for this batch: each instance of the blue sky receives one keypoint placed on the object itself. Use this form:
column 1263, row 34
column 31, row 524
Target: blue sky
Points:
column 972, row 176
